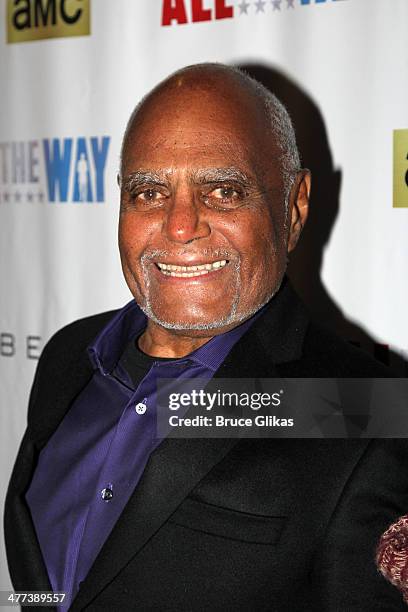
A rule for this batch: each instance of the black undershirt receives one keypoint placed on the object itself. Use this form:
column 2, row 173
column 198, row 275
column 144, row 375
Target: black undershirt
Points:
column 137, row 363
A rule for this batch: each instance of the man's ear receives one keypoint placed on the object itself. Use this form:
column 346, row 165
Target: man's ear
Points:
column 298, row 207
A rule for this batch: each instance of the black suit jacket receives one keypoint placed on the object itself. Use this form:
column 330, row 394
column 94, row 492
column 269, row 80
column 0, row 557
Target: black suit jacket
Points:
column 217, row 524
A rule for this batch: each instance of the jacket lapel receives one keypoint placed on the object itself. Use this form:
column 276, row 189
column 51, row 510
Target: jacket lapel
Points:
column 276, row 337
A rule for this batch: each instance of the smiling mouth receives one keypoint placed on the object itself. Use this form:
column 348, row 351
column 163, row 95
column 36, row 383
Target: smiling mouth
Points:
column 191, row 271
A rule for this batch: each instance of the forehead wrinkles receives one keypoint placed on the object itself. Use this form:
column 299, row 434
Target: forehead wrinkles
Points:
column 186, row 135
column 177, row 154
column 188, row 121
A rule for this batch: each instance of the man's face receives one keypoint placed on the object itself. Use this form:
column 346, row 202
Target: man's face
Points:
column 202, row 225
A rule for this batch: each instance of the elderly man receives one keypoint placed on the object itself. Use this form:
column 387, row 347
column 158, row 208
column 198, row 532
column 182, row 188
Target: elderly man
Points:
column 213, row 199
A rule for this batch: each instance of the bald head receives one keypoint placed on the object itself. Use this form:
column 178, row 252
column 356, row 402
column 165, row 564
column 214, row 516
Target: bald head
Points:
column 218, row 89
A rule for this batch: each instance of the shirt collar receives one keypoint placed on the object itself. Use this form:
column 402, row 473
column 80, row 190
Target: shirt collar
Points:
column 107, row 348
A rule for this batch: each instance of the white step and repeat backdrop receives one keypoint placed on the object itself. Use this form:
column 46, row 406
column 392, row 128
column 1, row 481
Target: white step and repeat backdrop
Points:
column 71, row 71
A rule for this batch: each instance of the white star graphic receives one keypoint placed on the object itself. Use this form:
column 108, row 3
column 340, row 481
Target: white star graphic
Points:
column 260, row 6
column 290, row 4
column 276, row 5
column 243, row 8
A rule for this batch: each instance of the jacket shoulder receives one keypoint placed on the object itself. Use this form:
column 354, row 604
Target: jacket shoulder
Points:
column 78, row 334
column 325, row 354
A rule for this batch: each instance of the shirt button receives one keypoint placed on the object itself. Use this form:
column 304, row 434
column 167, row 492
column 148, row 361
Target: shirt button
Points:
column 107, row 494
column 140, row 408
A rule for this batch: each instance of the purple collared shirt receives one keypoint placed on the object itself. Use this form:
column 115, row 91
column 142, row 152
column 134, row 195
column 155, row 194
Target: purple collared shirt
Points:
column 90, row 466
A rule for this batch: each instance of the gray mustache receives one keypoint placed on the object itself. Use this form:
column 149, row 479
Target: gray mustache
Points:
column 153, row 254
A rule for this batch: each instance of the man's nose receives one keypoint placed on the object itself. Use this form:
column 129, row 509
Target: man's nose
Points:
column 186, row 219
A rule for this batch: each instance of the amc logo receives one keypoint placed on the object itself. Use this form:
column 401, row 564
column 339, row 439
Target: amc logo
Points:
column 400, row 199
column 39, row 19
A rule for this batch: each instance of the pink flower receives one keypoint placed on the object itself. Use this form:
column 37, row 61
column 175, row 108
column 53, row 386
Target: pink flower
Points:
column 392, row 555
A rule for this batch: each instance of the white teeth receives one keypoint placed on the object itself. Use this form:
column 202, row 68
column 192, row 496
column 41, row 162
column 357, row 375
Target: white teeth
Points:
column 190, row 271
column 184, row 274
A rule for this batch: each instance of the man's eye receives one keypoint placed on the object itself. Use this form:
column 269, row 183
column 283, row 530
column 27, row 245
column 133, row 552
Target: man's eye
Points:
column 224, row 197
column 224, row 193
column 150, row 195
